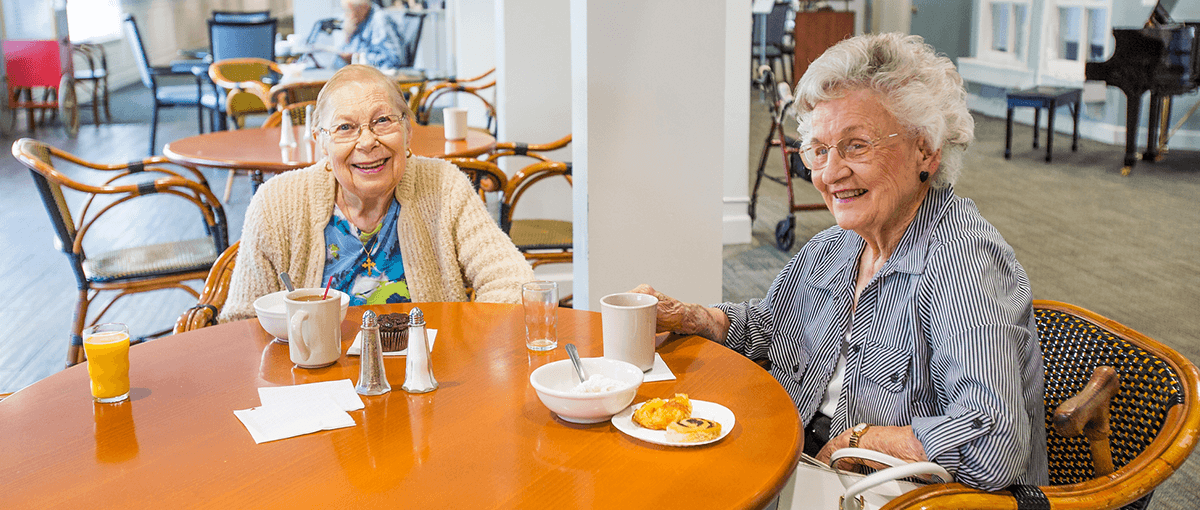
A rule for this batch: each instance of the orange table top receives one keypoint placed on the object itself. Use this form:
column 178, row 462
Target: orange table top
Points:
column 258, row 148
column 481, row 440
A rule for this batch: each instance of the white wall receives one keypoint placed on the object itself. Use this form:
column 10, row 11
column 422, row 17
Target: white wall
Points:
column 648, row 85
column 736, row 119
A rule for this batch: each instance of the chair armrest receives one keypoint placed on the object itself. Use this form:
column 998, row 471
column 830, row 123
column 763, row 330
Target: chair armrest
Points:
column 212, row 297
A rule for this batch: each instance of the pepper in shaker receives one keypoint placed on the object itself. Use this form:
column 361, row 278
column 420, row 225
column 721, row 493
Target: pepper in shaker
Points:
column 372, row 378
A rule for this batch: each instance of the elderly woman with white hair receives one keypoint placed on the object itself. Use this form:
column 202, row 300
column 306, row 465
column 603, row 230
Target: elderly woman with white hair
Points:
column 907, row 328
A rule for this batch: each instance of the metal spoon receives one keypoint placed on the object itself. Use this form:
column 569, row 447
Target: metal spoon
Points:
column 574, row 354
column 287, row 281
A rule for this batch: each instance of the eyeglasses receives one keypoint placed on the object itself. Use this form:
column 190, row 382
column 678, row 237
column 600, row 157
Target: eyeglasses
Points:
column 348, row 132
column 851, row 149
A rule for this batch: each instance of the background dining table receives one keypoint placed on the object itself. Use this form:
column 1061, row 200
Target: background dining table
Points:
column 481, row 440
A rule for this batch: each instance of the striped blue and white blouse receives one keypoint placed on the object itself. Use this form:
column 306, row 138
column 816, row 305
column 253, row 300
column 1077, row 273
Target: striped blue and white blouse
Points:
column 943, row 339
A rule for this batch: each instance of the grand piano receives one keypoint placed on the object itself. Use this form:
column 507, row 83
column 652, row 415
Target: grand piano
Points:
column 1164, row 58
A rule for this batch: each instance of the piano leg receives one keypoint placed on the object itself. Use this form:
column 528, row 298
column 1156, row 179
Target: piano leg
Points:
column 1007, row 135
column 1133, row 112
column 1075, row 107
column 1156, row 105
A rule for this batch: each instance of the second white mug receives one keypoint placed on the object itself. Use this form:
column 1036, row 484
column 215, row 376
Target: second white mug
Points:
column 314, row 327
column 628, row 321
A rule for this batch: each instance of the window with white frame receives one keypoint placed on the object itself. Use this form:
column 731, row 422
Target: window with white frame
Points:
column 1078, row 31
column 93, row 20
column 1004, row 34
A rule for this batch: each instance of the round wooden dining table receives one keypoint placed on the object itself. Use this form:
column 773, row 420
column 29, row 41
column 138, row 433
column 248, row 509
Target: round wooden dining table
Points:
column 481, row 440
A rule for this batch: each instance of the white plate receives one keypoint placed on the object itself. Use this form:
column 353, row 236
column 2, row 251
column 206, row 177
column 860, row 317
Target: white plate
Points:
column 700, row 409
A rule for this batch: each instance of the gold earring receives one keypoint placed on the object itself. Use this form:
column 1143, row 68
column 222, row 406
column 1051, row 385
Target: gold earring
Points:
column 328, row 168
column 410, row 154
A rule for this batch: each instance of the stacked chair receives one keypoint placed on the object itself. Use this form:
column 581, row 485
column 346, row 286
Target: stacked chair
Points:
column 167, row 262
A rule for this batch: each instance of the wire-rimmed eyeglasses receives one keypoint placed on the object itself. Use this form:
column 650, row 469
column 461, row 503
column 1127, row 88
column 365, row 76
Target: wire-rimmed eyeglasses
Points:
column 348, row 132
column 851, row 148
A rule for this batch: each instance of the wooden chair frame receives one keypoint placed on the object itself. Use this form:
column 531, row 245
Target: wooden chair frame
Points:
column 472, row 86
column 298, row 113
column 543, row 168
column 71, row 232
column 97, row 74
column 1162, row 457
column 212, row 296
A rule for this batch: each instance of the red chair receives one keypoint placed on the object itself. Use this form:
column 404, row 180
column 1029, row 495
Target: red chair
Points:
column 46, row 65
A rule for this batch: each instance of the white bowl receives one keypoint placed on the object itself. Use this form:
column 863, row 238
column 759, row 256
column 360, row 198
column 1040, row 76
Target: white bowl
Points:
column 272, row 311
column 555, row 381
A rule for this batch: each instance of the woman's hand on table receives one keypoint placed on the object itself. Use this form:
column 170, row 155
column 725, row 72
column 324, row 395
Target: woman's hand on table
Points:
column 899, row 442
column 681, row 318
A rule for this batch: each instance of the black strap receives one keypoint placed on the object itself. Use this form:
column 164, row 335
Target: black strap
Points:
column 146, row 188
column 1029, row 497
column 520, row 149
column 569, row 168
column 136, row 166
column 212, row 321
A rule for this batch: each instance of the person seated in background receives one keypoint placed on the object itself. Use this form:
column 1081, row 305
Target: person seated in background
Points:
column 908, row 327
column 370, row 32
column 388, row 226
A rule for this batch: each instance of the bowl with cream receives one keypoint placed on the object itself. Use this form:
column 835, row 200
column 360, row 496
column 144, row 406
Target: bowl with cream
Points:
column 609, row 388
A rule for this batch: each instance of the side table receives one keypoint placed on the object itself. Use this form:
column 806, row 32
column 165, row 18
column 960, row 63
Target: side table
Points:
column 1044, row 97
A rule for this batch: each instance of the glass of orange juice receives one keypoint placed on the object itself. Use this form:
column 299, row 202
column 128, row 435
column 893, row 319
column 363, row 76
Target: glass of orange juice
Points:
column 107, row 349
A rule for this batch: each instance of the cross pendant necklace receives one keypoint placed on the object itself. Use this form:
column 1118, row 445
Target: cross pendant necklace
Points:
column 369, row 265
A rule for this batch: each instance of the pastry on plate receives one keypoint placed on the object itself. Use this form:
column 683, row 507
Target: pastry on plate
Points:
column 693, row 430
column 657, row 413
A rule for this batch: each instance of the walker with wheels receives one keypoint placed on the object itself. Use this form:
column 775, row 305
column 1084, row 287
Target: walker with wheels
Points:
column 779, row 98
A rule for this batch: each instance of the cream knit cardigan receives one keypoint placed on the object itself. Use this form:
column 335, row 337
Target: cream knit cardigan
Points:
column 447, row 238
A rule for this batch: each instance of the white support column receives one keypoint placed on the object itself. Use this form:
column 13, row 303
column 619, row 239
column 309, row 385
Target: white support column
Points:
column 648, row 85
column 736, row 216
column 533, row 102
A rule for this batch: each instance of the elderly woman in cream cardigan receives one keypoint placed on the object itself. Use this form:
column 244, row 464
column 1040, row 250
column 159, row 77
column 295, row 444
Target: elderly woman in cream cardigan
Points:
column 386, row 225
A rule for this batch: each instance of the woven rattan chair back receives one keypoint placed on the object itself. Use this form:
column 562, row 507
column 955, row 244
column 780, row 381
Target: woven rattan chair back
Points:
column 140, row 268
column 1155, row 419
column 298, row 112
column 1072, row 347
column 287, row 94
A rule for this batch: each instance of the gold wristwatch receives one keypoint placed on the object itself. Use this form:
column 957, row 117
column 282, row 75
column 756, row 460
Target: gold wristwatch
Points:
column 857, row 433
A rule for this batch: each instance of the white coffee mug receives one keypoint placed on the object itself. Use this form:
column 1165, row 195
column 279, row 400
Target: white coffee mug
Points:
column 314, row 327
column 455, row 120
column 628, row 321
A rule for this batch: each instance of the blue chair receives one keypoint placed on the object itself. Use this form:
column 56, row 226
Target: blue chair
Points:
column 410, row 31
column 228, row 40
column 165, row 96
column 241, row 16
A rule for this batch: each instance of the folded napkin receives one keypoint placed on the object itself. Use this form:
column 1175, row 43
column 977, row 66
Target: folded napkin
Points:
column 658, row 372
column 289, row 411
column 356, row 347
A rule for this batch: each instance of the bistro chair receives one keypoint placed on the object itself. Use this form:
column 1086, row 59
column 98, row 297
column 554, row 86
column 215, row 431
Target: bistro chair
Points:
column 284, row 94
column 485, row 176
column 240, row 40
column 212, row 296
column 241, row 16
column 165, row 96
column 780, row 47
column 473, row 87
column 243, row 84
column 542, row 241
column 95, row 72
column 297, row 111
column 1146, row 433
column 142, row 268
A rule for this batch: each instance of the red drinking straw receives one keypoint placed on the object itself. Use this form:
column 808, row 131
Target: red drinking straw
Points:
column 327, row 285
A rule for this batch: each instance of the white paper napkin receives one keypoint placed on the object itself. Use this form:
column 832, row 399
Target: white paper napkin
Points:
column 659, row 372
column 356, row 347
column 340, row 391
column 293, row 418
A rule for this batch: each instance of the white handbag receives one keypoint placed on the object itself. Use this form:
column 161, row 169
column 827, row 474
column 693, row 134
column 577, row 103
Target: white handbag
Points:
column 816, row 486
